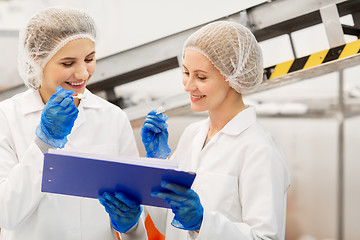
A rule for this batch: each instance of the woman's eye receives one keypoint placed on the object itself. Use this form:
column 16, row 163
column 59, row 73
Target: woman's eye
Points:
column 89, row 59
column 67, row 64
column 186, row 73
column 201, row 77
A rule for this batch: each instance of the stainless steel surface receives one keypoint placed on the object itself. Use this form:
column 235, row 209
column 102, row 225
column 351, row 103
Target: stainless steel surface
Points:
column 280, row 17
column 331, row 20
column 279, row 11
column 341, row 157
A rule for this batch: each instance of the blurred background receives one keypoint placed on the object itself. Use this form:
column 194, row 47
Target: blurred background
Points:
column 313, row 112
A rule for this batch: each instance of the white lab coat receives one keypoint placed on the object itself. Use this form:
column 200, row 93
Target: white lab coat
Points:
column 242, row 180
column 26, row 212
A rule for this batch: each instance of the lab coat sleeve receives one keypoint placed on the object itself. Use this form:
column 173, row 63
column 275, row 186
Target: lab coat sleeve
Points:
column 138, row 232
column 20, row 182
column 263, row 185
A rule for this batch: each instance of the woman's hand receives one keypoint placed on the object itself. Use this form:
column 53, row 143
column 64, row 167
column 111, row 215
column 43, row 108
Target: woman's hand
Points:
column 123, row 211
column 154, row 135
column 57, row 118
column 185, row 204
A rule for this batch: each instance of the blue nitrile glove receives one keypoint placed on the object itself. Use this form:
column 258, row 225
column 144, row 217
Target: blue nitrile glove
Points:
column 123, row 211
column 154, row 135
column 57, row 118
column 185, row 204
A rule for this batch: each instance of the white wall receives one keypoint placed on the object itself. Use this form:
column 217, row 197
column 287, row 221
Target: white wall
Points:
column 8, row 62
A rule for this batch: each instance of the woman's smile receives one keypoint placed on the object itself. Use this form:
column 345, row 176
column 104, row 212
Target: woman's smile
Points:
column 76, row 84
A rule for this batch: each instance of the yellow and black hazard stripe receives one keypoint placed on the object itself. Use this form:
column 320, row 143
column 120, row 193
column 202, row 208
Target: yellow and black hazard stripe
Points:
column 312, row 60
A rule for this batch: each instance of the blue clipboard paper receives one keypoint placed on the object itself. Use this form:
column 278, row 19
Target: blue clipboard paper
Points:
column 86, row 175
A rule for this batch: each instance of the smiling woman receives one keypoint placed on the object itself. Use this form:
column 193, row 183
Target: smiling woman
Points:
column 56, row 61
column 70, row 68
column 207, row 87
column 241, row 182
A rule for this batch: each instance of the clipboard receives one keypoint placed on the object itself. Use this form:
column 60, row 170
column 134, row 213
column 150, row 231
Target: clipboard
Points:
column 89, row 175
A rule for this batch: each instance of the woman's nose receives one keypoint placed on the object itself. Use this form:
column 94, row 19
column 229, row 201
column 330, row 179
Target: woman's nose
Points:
column 82, row 72
column 189, row 84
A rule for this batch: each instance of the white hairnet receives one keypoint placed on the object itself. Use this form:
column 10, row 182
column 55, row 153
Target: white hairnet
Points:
column 45, row 34
column 233, row 50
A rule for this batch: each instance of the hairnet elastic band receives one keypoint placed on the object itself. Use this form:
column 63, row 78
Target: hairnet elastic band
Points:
column 63, row 43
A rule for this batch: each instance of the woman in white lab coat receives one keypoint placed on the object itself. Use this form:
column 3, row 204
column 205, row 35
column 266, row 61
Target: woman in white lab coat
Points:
column 242, row 179
column 56, row 61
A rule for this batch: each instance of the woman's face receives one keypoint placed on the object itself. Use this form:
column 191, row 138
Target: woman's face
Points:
column 70, row 68
column 207, row 87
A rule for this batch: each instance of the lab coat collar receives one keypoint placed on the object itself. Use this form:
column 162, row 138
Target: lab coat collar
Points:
column 240, row 122
column 32, row 102
column 90, row 101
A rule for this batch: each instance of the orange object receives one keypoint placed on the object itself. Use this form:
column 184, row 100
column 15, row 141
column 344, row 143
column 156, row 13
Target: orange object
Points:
column 152, row 232
column 118, row 236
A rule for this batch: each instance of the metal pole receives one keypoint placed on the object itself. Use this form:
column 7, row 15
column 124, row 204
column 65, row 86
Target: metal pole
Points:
column 341, row 116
